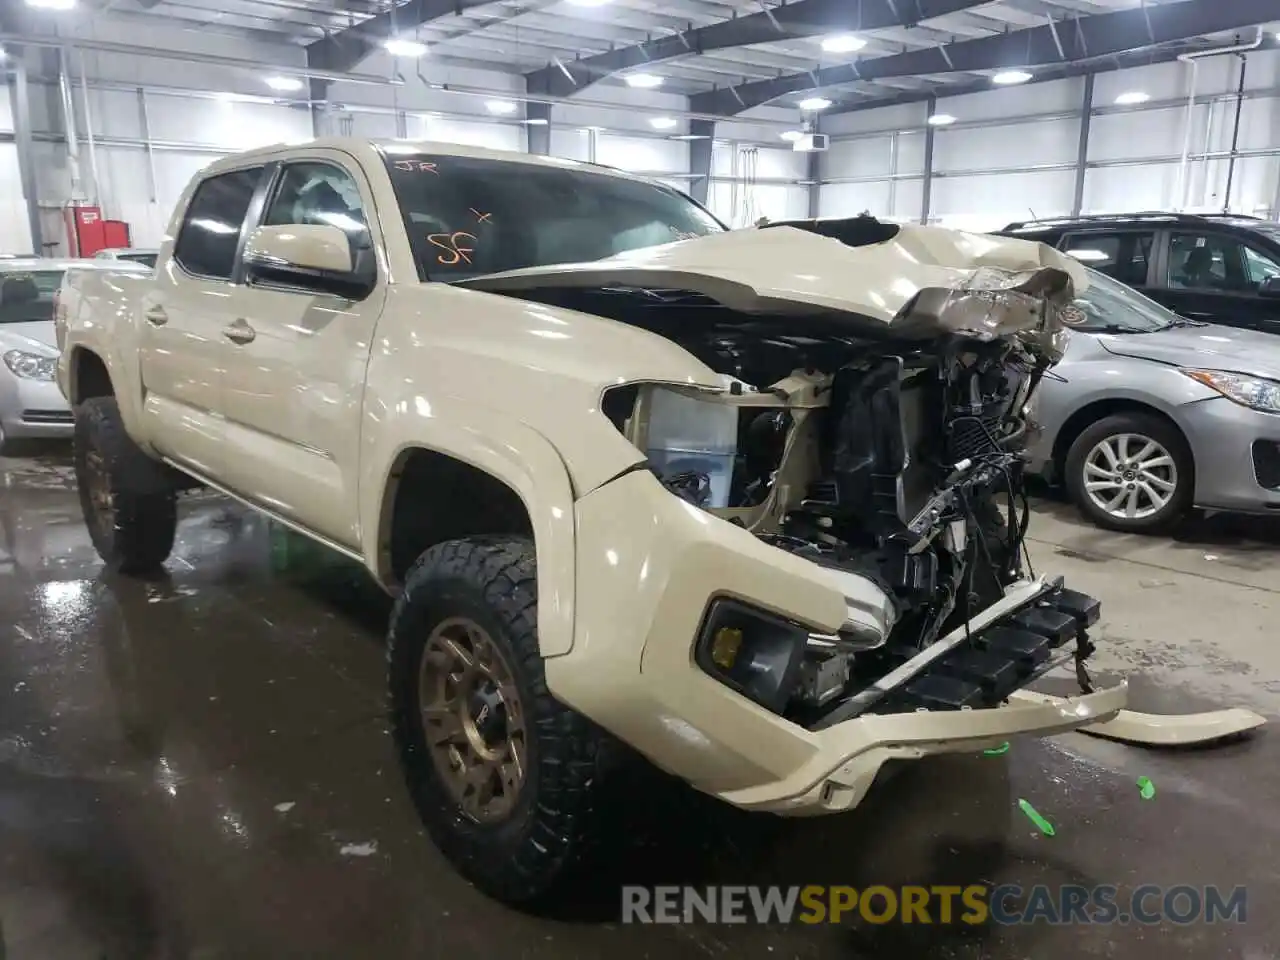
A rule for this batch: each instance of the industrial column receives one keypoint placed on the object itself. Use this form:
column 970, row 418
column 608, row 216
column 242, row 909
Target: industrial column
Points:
column 318, row 95
column 926, row 184
column 1082, row 149
column 813, row 173
column 537, row 119
column 700, row 158
column 19, row 97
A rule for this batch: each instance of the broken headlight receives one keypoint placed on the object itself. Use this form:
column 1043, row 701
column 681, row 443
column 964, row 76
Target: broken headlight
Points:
column 754, row 652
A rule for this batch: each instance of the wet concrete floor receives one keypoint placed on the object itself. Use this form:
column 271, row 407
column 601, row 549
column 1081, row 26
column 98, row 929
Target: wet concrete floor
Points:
column 198, row 767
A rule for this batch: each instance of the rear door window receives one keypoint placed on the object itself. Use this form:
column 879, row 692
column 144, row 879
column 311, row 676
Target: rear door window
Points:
column 210, row 233
column 1214, row 262
column 1125, row 256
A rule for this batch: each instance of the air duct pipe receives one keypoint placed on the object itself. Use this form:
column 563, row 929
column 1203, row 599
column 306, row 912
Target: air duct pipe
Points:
column 95, row 195
column 69, row 123
column 1193, row 61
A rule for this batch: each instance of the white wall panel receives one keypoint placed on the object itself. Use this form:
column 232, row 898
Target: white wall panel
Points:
column 1119, row 189
column 741, row 206
column 1141, row 133
column 880, row 198
column 222, row 123
column 15, row 232
column 1055, row 96
column 642, row 155
column 1022, row 144
column 989, row 202
column 471, row 133
column 771, row 163
column 887, row 118
column 573, row 143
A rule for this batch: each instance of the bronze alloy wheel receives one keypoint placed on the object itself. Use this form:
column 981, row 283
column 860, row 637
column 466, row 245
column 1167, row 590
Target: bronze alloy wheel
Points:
column 99, row 485
column 472, row 719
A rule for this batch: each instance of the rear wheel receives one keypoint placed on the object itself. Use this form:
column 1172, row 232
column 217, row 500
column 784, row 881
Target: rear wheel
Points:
column 128, row 500
column 1131, row 472
column 503, row 775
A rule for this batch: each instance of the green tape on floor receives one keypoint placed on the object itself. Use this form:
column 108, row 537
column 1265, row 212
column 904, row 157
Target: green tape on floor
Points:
column 1033, row 815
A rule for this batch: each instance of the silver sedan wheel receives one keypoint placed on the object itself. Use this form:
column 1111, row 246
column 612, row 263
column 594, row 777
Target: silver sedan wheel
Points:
column 1129, row 476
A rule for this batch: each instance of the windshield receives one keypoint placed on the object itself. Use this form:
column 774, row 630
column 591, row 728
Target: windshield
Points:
column 1108, row 306
column 467, row 216
column 27, row 296
column 146, row 259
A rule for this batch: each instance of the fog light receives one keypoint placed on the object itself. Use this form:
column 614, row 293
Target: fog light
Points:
column 754, row 652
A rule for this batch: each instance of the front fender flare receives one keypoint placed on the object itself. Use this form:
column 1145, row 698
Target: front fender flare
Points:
column 507, row 450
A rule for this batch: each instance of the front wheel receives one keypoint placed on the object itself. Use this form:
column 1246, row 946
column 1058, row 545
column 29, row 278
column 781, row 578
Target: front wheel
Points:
column 1131, row 472
column 128, row 499
column 504, row 777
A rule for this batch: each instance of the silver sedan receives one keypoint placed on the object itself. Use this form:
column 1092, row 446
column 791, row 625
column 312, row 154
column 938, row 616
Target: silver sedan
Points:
column 31, row 405
column 1149, row 415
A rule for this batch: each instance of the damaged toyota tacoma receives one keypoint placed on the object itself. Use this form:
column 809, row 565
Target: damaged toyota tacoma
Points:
column 748, row 502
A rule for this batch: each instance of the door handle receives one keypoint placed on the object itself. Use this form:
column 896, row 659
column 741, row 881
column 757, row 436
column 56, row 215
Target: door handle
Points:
column 156, row 316
column 239, row 332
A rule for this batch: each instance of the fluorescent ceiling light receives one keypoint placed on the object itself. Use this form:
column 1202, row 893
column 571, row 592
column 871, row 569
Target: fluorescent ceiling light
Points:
column 791, row 136
column 645, row 81
column 52, row 4
column 843, row 43
column 588, row 3
column 814, row 103
column 501, row 107
column 284, row 83
column 536, row 122
column 1131, row 97
column 941, row 119
column 404, row 47
column 662, row 123
column 1007, row 77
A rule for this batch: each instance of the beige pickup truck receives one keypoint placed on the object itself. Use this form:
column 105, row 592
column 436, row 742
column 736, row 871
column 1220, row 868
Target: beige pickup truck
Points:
column 748, row 502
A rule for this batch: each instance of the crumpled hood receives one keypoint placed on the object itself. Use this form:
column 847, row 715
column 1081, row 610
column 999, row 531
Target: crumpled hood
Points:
column 923, row 281
column 1209, row 347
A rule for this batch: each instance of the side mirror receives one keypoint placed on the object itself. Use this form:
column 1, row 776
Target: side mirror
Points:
column 314, row 257
column 1269, row 287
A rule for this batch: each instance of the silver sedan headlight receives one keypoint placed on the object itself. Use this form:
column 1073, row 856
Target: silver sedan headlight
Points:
column 1257, row 393
column 31, row 366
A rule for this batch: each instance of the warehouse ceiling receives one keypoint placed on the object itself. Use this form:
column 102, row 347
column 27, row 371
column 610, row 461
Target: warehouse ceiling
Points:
column 732, row 55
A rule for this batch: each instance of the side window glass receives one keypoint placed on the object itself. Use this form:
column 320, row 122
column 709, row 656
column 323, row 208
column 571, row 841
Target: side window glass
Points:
column 1206, row 261
column 1258, row 266
column 210, row 230
column 1124, row 256
column 319, row 194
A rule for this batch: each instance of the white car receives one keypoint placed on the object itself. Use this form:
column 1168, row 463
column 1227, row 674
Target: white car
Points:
column 128, row 255
column 31, row 406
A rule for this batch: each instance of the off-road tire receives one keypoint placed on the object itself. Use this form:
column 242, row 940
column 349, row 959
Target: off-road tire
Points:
column 1165, row 434
column 137, row 535
column 553, row 828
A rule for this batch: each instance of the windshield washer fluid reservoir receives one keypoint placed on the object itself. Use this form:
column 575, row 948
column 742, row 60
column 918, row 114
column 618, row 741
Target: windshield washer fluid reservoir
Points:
column 688, row 434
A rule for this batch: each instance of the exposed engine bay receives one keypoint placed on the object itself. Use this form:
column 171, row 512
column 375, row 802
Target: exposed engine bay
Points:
column 886, row 453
